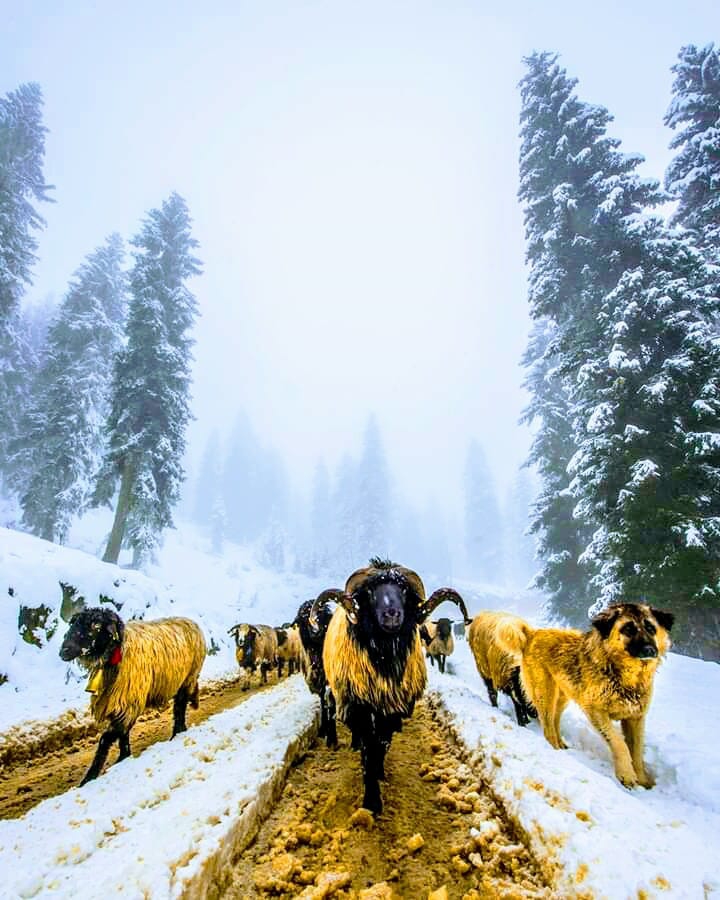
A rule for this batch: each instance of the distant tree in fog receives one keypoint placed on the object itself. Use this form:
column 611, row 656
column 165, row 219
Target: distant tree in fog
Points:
column 519, row 545
column 321, row 522
column 373, row 495
column 345, row 555
column 254, row 483
column 22, row 185
column 208, row 483
column 436, row 559
column 60, row 449
column 483, row 523
column 151, row 385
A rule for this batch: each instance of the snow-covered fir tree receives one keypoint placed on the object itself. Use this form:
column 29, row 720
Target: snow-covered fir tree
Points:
column 62, row 439
column 483, row 522
column 693, row 176
column 373, row 495
column 22, row 186
column 647, row 469
column 151, row 384
column 576, row 189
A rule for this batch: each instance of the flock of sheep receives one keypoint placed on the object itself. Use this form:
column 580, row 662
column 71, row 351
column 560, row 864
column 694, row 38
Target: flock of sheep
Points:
column 362, row 650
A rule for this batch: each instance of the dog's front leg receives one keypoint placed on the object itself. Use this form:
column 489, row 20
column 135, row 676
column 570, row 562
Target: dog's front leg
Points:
column 624, row 769
column 634, row 731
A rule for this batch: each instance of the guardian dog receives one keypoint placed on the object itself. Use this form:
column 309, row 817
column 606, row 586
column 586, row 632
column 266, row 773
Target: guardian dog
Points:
column 608, row 671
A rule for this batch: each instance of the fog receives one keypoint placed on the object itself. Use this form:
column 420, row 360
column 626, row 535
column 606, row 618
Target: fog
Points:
column 351, row 170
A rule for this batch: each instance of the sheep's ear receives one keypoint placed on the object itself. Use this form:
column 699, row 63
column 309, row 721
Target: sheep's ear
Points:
column 605, row 621
column 664, row 618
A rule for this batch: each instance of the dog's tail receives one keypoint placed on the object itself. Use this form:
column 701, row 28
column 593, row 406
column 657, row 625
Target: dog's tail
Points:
column 512, row 634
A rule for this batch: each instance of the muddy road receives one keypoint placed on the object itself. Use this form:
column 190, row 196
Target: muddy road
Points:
column 317, row 844
column 59, row 763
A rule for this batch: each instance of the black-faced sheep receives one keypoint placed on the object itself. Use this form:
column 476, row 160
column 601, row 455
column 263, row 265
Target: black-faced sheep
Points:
column 312, row 638
column 499, row 669
column 439, row 642
column 134, row 665
column 373, row 659
column 289, row 649
column 255, row 646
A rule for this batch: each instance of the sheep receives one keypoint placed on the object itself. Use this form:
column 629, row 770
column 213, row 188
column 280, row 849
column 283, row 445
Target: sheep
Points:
column 289, row 648
column 312, row 638
column 498, row 668
column 133, row 666
column 373, row 659
column 439, row 641
column 255, row 645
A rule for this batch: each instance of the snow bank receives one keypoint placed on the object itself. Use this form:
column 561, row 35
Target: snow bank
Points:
column 163, row 824
column 594, row 834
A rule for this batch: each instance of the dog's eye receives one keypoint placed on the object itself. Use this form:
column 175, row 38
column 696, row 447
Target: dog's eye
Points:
column 628, row 629
column 649, row 627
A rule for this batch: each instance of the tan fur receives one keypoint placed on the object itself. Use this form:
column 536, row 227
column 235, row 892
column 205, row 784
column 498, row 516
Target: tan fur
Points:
column 484, row 634
column 607, row 683
column 158, row 658
column 352, row 676
column 266, row 645
column 437, row 645
column 292, row 649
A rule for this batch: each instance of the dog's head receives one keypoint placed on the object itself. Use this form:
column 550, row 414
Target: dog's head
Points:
column 91, row 634
column 636, row 628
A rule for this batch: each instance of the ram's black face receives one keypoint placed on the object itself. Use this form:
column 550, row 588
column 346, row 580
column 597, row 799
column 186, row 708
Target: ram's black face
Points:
column 90, row 634
column 248, row 651
column 444, row 628
column 387, row 602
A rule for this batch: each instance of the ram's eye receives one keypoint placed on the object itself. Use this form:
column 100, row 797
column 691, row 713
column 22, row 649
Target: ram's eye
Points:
column 649, row 626
column 628, row 629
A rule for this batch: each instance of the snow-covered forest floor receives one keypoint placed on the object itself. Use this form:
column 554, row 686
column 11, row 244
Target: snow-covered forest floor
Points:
column 166, row 822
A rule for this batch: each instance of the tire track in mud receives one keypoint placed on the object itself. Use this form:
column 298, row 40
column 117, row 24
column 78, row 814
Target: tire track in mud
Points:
column 441, row 835
column 59, row 762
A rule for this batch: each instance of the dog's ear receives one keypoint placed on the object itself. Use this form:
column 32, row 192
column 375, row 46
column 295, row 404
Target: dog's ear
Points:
column 663, row 617
column 605, row 621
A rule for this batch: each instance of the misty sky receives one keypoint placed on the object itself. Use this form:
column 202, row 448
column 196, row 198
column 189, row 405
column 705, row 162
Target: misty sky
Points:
column 351, row 170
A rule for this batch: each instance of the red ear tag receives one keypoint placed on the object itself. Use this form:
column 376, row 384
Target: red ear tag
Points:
column 115, row 656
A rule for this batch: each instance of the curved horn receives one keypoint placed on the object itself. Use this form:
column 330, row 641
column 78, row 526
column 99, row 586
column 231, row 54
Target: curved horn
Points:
column 439, row 596
column 357, row 578
column 414, row 581
column 332, row 595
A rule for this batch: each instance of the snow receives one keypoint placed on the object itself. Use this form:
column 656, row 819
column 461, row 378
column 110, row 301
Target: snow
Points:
column 167, row 821
column 154, row 825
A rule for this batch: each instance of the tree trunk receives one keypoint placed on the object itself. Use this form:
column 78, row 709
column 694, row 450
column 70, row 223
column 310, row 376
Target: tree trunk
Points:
column 121, row 510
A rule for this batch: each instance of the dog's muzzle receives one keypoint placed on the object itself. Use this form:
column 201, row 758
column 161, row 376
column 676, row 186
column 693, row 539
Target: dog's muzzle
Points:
column 646, row 651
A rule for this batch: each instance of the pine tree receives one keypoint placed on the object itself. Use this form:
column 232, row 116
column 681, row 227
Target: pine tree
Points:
column 694, row 174
column 22, row 151
column 346, row 555
column 63, row 438
column 579, row 194
column 320, row 521
column 151, row 384
column 208, row 481
column 373, row 498
column 483, row 523
column 647, row 470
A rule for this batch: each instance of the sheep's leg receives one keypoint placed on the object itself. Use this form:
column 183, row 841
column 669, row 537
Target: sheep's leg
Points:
column 328, row 700
column 180, row 703
column 441, row 663
column 291, row 666
column 264, row 666
column 492, row 693
column 107, row 739
column 280, row 668
column 124, row 745
column 373, row 756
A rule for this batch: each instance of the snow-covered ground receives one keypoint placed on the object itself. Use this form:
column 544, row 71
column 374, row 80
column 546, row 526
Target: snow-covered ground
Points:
column 604, row 840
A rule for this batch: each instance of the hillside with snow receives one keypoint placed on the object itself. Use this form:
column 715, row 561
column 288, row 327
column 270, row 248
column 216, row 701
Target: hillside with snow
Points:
column 598, row 839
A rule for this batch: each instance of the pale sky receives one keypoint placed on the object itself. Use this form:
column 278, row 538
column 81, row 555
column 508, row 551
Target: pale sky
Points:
column 351, row 169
